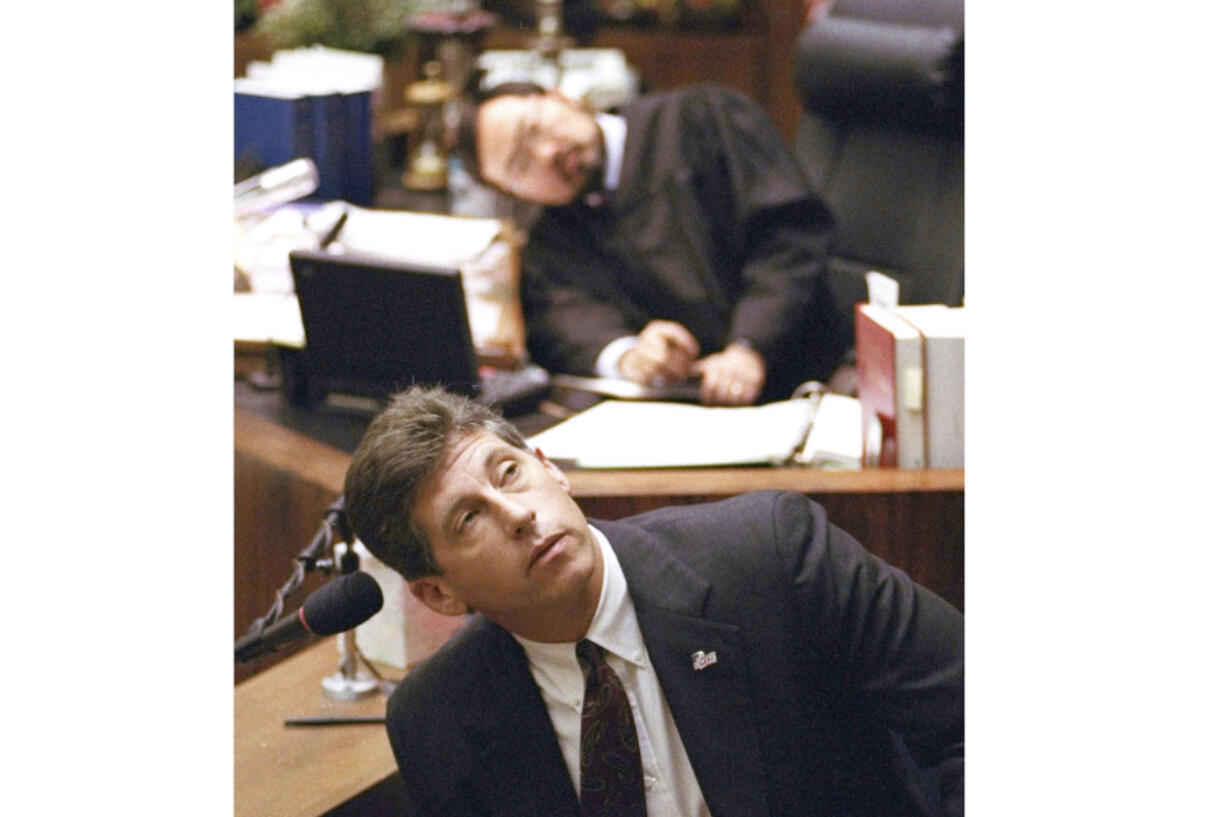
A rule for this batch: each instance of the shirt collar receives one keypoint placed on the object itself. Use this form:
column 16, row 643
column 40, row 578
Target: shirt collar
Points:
column 615, row 626
column 613, row 128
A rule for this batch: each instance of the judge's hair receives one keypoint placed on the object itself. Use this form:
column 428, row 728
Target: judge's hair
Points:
column 464, row 146
column 401, row 449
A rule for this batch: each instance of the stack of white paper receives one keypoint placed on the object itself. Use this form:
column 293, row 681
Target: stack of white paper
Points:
column 637, row 434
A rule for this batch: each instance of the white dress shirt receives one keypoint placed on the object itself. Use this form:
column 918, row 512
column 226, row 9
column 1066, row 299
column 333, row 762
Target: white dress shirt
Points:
column 668, row 779
column 613, row 130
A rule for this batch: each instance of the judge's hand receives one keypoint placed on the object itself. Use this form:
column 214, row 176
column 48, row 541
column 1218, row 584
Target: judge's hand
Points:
column 733, row 377
column 664, row 353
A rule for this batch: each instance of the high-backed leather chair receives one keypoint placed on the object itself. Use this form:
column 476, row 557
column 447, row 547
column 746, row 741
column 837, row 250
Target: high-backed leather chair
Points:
column 881, row 134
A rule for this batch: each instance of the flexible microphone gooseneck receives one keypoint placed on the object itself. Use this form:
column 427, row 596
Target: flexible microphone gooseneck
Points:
column 340, row 605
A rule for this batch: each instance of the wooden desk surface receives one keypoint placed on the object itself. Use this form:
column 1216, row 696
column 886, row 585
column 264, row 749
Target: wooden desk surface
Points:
column 714, row 482
column 283, row 771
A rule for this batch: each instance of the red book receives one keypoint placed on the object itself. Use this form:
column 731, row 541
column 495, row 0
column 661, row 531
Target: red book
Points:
column 890, row 380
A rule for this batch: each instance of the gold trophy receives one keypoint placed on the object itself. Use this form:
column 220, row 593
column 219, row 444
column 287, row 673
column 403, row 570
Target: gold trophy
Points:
column 426, row 168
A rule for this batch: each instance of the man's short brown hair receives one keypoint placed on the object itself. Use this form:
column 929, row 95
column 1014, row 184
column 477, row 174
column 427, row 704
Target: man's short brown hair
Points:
column 400, row 450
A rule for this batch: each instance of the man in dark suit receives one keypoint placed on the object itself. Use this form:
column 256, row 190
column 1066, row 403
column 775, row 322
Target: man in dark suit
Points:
column 678, row 237
column 766, row 664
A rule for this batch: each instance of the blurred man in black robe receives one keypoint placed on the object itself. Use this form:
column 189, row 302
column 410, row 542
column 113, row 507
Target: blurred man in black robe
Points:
column 678, row 238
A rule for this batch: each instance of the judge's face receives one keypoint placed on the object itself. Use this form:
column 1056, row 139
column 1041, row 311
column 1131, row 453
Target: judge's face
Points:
column 542, row 148
column 510, row 540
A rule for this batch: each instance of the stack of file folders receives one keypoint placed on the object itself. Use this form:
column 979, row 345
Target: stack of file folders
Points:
column 315, row 103
column 910, row 375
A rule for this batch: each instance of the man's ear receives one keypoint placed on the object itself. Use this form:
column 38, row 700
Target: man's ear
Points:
column 553, row 470
column 436, row 593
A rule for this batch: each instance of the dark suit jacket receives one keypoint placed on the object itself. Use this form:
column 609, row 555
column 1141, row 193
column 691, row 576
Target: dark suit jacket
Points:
column 837, row 688
column 713, row 225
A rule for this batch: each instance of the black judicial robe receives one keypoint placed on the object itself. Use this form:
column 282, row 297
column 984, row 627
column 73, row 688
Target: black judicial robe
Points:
column 713, row 225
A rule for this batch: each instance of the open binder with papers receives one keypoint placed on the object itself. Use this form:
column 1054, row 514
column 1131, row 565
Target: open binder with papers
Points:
column 821, row 430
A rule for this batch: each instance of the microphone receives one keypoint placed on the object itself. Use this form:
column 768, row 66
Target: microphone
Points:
column 340, row 605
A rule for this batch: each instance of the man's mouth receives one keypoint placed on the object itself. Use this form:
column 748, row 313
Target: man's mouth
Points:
column 572, row 165
column 546, row 549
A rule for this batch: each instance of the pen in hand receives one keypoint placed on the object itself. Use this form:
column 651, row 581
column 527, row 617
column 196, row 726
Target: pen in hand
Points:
column 332, row 234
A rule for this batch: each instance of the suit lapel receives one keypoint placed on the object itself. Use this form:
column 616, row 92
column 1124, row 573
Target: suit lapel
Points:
column 520, row 753
column 710, row 702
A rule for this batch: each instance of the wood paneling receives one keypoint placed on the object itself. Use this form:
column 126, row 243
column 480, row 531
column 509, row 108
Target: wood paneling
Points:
column 283, row 483
column 756, row 60
column 912, row 519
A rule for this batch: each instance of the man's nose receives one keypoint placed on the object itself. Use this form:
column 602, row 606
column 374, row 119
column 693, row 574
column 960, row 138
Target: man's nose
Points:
column 543, row 149
column 515, row 516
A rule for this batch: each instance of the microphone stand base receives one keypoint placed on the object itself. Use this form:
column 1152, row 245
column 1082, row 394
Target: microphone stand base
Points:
column 339, row 688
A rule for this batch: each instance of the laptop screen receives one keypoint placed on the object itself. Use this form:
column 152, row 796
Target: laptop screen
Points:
column 375, row 326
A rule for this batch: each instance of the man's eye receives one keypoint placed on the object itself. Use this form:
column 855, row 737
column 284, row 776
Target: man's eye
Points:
column 467, row 519
column 510, row 471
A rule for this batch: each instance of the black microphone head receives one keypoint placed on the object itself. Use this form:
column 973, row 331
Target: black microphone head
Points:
column 342, row 604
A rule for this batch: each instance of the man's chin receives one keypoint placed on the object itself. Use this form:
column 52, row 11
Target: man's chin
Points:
column 590, row 181
column 573, row 187
column 560, row 200
column 575, row 191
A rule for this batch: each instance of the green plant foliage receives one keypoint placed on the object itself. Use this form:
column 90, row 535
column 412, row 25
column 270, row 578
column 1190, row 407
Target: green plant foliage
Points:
column 246, row 12
column 374, row 26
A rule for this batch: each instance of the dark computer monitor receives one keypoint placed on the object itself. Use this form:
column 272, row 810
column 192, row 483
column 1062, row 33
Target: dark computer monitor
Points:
column 374, row 327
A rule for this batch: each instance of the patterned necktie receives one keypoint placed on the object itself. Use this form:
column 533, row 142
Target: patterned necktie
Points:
column 610, row 771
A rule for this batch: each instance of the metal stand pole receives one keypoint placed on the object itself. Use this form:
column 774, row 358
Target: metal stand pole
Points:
column 350, row 682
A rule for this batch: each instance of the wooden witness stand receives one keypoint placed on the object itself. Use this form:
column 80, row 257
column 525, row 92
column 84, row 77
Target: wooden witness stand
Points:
column 285, row 481
column 284, row 771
